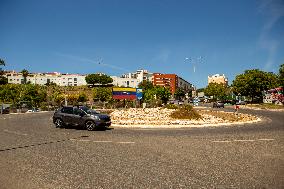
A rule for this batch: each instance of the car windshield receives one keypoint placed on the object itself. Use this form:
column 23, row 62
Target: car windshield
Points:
column 88, row 110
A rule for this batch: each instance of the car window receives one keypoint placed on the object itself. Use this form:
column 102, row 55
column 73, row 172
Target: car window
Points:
column 67, row 110
column 88, row 111
column 78, row 111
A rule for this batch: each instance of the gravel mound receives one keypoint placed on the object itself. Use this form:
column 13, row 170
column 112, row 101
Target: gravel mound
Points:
column 160, row 117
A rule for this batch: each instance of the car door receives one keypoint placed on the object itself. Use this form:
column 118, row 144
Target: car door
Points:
column 67, row 115
column 78, row 116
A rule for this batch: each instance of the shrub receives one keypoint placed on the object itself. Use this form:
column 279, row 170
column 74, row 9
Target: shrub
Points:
column 171, row 106
column 185, row 112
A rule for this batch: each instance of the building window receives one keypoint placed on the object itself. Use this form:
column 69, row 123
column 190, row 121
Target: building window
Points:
column 75, row 79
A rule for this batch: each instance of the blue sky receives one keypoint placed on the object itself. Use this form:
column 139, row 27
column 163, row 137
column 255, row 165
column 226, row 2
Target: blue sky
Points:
column 158, row 35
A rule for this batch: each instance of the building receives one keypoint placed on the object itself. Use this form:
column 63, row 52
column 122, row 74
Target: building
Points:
column 132, row 79
column 125, row 82
column 140, row 75
column 217, row 78
column 45, row 78
column 172, row 81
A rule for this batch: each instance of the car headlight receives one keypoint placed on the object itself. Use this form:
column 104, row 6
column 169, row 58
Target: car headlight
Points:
column 96, row 117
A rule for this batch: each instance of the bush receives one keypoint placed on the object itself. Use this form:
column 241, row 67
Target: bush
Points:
column 185, row 112
column 171, row 106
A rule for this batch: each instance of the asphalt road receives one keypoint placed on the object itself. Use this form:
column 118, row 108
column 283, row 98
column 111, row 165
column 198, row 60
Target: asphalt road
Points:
column 35, row 154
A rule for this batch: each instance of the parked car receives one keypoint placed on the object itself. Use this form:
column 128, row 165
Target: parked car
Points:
column 6, row 110
column 218, row 105
column 80, row 116
column 241, row 103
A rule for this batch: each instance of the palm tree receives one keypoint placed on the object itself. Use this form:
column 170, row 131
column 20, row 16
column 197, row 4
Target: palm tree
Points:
column 25, row 75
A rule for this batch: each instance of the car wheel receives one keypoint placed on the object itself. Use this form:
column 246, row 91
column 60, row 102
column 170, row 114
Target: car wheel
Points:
column 58, row 123
column 90, row 125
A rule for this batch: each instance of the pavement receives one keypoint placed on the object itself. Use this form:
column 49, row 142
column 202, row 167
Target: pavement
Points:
column 35, row 154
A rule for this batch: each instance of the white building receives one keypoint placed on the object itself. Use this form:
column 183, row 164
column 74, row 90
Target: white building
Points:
column 44, row 78
column 140, row 75
column 217, row 78
column 125, row 82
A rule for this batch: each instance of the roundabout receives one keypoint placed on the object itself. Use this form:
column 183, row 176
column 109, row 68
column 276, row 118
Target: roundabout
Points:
column 161, row 118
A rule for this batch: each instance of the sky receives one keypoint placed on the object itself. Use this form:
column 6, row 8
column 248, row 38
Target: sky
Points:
column 121, row 36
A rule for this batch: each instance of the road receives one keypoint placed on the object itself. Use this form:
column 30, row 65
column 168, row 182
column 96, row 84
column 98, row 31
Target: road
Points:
column 35, row 154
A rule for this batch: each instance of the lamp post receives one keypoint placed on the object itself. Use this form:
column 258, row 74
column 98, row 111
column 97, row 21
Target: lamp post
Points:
column 194, row 61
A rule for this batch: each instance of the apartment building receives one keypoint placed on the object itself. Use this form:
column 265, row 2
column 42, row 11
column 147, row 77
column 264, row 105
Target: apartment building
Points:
column 217, row 78
column 44, row 78
column 172, row 81
column 140, row 75
column 125, row 82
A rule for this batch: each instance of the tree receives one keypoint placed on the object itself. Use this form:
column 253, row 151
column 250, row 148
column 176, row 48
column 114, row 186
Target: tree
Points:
column 25, row 75
column 2, row 62
column 163, row 93
column 145, row 85
column 3, row 80
column 102, row 79
column 218, row 91
column 253, row 82
column 281, row 75
column 179, row 94
column 82, row 97
column 157, row 93
column 102, row 93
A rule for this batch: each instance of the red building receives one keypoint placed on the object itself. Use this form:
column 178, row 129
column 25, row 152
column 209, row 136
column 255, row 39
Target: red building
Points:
column 172, row 81
column 166, row 80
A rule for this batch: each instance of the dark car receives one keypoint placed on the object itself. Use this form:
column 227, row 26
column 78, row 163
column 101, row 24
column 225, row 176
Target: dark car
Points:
column 218, row 105
column 80, row 116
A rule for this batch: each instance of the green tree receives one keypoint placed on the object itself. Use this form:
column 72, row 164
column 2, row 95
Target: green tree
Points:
column 25, row 75
column 34, row 94
column 163, row 94
column 281, row 75
column 156, row 93
column 2, row 62
column 253, row 82
column 102, row 79
column 102, row 93
column 10, row 93
column 179, row 94
column 218, row 91
column 145, row 85
column 82, row 97
column 3, row 80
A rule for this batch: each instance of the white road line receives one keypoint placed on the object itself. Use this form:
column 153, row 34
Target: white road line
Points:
column 243, row 140
column 125, row 142
column 84, row 140
column 266, row 139
column 103, row 141
column 15, row 132
column 221, row 141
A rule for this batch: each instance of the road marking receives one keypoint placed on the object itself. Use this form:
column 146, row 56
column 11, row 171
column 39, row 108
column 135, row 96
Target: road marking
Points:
column 243, row 140
column 221, row 141
column 266, row 139
column 125, row 142
column 15, row 132
column 83, row 140
column 103, row 141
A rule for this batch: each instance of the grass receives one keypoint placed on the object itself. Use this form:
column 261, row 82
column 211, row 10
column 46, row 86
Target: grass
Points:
column 185, row 112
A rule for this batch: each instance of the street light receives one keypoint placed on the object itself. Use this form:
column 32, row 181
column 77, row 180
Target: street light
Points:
column 194, row 61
